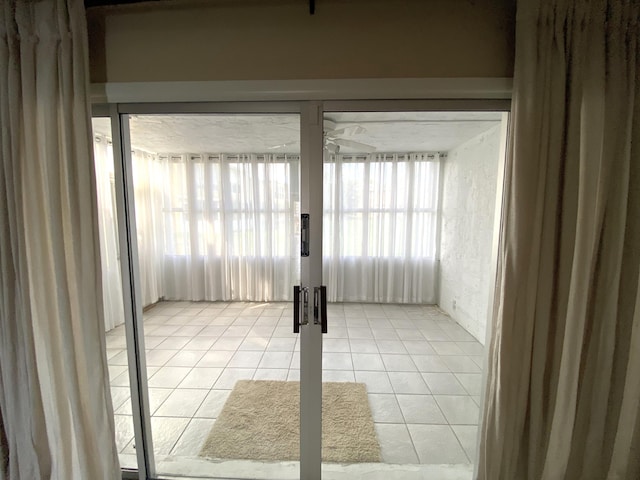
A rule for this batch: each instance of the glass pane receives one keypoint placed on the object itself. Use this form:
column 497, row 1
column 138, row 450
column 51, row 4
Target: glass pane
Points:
column 217, row 206
column 112, row 291
column 400, row 362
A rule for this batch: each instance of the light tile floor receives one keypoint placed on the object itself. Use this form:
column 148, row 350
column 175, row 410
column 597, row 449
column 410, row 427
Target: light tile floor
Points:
column 422, row 371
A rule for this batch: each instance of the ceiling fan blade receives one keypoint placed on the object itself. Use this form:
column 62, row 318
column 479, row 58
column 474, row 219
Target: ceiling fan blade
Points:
column 329, row 125
column 363, row 147
column 348, row 130
column 282, row 145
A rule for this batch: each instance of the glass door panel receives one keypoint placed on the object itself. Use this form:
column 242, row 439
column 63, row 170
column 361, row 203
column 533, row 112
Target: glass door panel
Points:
column 114, row 318
column 408, row 210
column 217, row 208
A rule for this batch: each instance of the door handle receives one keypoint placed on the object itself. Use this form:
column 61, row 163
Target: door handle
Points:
column 296, row 309
column 298, row 292
column 320, row 307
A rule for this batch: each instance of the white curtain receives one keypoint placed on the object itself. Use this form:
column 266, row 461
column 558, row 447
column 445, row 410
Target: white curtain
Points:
column 109, row 256
column 230, row 224
column 380, row 218
column 149, row 185
column 563, row 389
column 54, row 396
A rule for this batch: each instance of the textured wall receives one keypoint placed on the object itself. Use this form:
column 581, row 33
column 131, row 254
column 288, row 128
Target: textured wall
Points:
column 278, row 40
column 468, row 207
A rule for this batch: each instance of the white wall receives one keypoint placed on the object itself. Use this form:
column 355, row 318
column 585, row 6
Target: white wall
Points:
column 468, row 207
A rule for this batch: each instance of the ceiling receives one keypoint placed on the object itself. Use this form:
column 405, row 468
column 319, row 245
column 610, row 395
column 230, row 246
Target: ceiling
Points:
column 386, row 131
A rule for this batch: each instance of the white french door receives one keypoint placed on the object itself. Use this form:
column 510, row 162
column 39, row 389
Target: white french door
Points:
column 414, row 226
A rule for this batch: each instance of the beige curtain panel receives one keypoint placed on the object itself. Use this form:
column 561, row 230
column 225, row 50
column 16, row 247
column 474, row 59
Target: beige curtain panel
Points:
column 54, row 398
column 563, row 391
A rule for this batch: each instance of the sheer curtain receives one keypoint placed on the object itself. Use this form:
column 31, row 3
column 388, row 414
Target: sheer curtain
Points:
column 230, row 224
column 149, row 185
column 54, row 395
column 380, row 218
column 563, row 388
column 109, row 257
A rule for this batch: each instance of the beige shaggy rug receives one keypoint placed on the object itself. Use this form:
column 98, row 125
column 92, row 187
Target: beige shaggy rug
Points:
column 261, row 419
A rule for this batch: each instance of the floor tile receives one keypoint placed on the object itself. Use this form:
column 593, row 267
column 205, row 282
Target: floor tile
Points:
column 444, row 384
column 188, row 330
column 408, row 382
column 124, row 430
column 245, row 359
column 376, row 382
column 236, row 331
column 385, row 408
column 398, row 363
column 338, row 376
column 391, row 346
column 409, row 334
column 471, row 348
column 337, row 332
column 294, row 375
column 200, row 343
column 358, row 322
column 276, row 360
column 212, row 404
column 186, row 358
column 201, row 377
column 418, row 347
column 191, row 441
column 447, row 348
column 183, row 402
column 363, row 345
column 271, row 374
column 429, row 363
column 230, row 376
column 460, row 364
column 385, row 334
column 119, row 395
column 458, row 409
column 468, row 437
column 215, row 358
column 281, row 345
column 420, row 409
column 336, row 345
column 227, row 343
column 367, row 361
column 337, row 361
column 254, row 343
column 360, row 332
column 395, row 443
column 168, row 377
column 157, row 358
column 472, row 382
column 166, row 431
column 437, row 444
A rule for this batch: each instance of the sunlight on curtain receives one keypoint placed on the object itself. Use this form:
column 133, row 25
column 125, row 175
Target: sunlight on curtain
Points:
column 149, row 185
column 380, row 218
column 109, row 250
column 230, row 226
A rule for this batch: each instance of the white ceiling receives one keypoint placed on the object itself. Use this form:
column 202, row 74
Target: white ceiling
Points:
column 386, row 131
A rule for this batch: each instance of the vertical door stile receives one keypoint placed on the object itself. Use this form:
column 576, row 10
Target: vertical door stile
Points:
column 132, row 293
column 311, row 165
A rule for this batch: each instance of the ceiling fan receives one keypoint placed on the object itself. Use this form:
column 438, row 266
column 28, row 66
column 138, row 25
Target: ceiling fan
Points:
column 334, row 138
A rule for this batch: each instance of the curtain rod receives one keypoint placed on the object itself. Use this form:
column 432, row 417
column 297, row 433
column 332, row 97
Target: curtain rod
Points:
column 109, row 3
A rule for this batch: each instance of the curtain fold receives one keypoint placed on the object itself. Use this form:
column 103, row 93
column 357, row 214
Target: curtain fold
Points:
column 54, row 402
column 109, row 255
column 563, row 391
